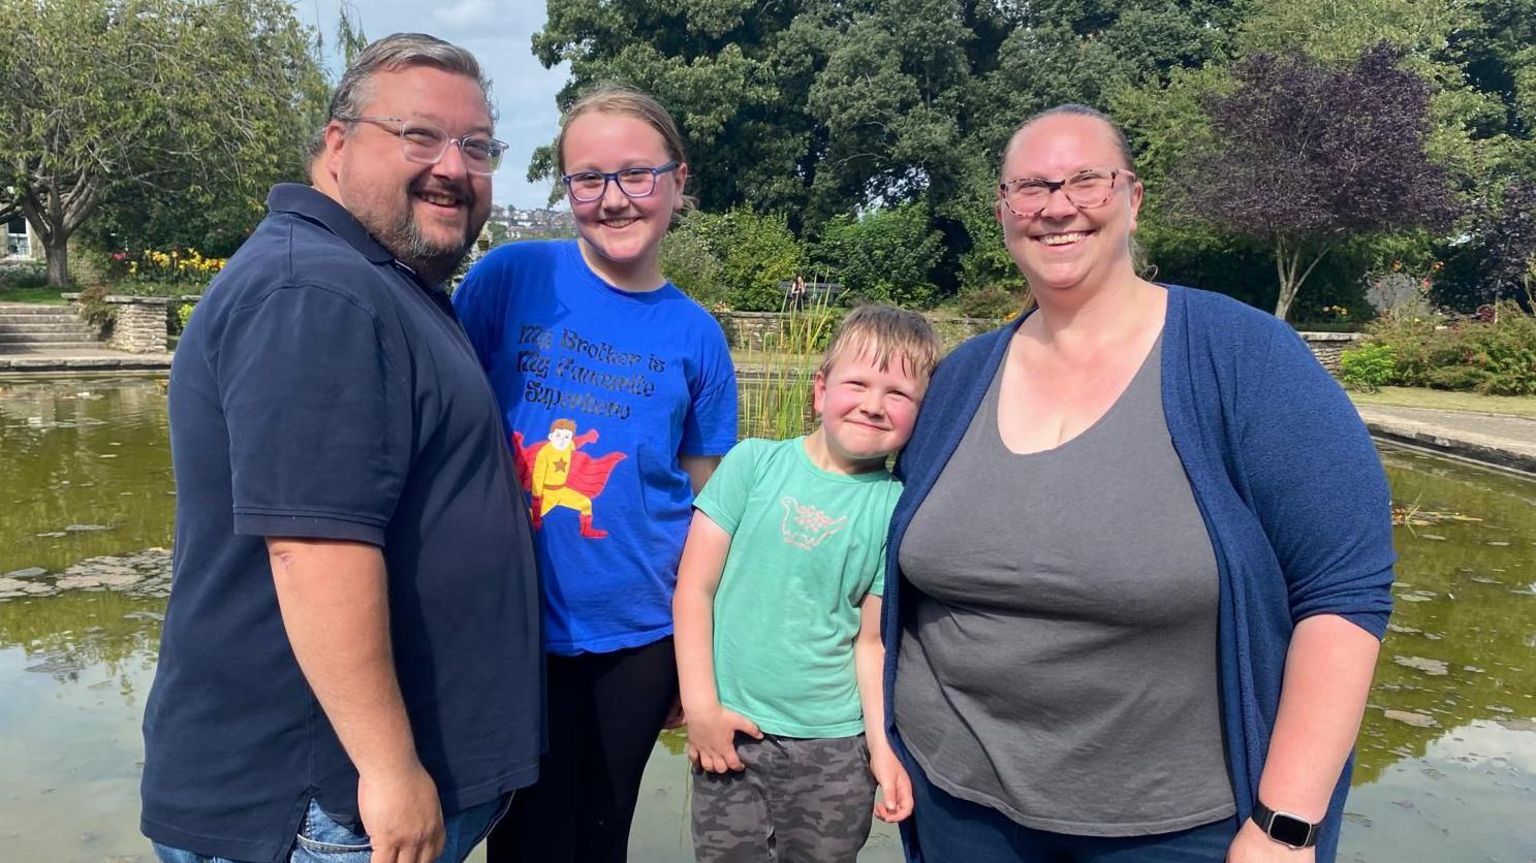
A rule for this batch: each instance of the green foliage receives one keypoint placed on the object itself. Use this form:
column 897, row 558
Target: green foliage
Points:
column 829, row 108
column 1495, row 355
column 821, row 109
column 20, row 276
column 172, row 116
column 687, row 261
column 886, row 255
column 1368, row 367
column 748, row 255
column 1283, row 164
column 994, row 304
column 1506, row 349
column 94, row 308
column 184, row 314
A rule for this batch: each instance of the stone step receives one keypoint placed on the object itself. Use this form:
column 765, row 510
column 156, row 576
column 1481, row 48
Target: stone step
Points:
column 43, row 338
column 32, row 309
column 45, row 325
column 48, row 313
column 51, row 348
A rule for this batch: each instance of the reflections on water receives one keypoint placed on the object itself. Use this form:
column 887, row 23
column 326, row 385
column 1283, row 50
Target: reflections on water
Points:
column 85, row 469
column 1447, row 758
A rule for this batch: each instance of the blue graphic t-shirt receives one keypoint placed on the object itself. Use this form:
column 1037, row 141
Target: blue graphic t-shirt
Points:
column 601, row 391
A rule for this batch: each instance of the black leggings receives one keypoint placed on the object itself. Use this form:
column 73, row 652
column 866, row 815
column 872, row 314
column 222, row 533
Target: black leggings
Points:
column 605, row 711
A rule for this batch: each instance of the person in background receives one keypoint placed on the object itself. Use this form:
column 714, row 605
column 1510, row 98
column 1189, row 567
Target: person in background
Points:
column 778, row 613
column 619, row 396
column 350, row 659
column 1143, row 560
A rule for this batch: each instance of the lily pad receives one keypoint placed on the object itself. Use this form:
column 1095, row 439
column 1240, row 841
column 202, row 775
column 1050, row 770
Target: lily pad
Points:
column 1417, row 720
column 1432, row 667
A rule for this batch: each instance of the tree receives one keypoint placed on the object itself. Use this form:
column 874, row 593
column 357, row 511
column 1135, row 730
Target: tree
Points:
column 1494, row 256
column 158, row 95
column 1303, row 156
column 886, row 255
column 824, row 108
column 737, row 257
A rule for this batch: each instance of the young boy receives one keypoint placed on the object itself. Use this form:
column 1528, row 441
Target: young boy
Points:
column 777, row 613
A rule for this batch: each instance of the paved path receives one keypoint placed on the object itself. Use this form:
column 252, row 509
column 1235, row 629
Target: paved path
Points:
column 1507, row 442
column 32, row 358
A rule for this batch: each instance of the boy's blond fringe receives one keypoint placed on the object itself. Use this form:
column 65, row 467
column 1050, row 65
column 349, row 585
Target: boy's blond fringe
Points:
column 886, row 333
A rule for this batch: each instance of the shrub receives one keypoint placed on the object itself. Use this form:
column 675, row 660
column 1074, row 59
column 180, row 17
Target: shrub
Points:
column 888, row 255
column 1505, row 348
column 755, row 255
column 23, row 274
column 687, row 261
column 1457, row 378
column 1368, row 367
column 1494, row 356
column 992, row 303
column 94, row 308
column 1419, row 345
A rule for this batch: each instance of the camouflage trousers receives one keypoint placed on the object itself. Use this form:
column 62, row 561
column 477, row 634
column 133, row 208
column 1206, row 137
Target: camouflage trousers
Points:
column 798, row 801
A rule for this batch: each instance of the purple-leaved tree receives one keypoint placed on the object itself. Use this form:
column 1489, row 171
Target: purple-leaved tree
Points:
column 1304, row 156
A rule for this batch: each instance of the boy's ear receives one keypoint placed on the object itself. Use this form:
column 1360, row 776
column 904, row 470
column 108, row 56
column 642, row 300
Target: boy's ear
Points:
column 818, row 392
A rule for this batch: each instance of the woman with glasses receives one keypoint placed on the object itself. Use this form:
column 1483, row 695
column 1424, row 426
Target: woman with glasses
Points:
column 1142, row 563
column 619, row 398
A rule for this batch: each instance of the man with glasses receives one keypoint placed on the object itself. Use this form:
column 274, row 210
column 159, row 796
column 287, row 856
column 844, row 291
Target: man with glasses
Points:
column 351, row 656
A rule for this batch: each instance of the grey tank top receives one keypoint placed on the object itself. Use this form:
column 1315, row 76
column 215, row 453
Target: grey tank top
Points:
column 1058, row 657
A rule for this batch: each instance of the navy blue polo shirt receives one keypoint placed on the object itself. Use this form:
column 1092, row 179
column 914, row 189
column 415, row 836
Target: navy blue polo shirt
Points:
column 322, row 391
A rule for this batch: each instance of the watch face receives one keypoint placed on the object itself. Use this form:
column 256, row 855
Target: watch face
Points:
column 1290, row 830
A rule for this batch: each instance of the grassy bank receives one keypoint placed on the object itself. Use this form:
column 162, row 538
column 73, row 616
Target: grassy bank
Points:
column 1444, row 400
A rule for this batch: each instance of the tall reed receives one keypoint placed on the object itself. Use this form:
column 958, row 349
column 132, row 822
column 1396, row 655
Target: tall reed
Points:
column 775, row 377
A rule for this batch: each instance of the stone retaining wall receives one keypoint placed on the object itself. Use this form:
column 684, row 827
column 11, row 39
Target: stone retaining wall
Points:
column 765, row 331
column 744, row 330
column 1327, row 347
column 141, row 324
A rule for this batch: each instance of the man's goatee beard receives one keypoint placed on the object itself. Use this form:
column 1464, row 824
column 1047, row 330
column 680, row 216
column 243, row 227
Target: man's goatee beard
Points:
column 433, row 263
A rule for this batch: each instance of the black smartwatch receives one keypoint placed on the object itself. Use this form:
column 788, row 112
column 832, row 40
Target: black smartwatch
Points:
column 1289, row 830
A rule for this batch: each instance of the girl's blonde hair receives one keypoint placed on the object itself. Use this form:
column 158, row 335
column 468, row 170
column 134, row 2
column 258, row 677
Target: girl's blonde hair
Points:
column 625, row 102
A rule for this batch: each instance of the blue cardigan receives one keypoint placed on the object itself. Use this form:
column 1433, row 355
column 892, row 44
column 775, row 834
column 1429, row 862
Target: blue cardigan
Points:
column 1286, row 478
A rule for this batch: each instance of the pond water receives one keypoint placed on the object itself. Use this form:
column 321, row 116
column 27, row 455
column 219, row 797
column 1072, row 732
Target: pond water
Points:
column 1447, row 758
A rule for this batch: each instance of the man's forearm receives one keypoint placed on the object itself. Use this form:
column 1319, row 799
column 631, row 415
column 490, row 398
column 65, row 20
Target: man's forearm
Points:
column 335, row 606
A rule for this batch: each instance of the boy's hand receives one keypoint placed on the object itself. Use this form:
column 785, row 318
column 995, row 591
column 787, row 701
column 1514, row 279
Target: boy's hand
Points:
column 894, row 801
column 712, row 738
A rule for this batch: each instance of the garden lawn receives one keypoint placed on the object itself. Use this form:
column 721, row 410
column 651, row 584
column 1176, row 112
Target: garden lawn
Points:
column 1445, row 400
column 43, row 295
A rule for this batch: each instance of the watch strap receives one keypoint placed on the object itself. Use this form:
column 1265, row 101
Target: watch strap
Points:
column 1285, row 827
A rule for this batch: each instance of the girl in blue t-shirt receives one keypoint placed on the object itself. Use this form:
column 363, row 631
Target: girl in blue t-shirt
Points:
column 619, row 398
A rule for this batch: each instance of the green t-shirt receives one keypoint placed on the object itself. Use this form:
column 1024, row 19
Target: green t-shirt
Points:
column 807, row 546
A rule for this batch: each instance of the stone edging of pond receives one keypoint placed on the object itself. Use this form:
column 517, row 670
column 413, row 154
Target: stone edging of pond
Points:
column 1479, row 448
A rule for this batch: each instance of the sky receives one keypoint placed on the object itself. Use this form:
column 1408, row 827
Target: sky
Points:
column 499, row 33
